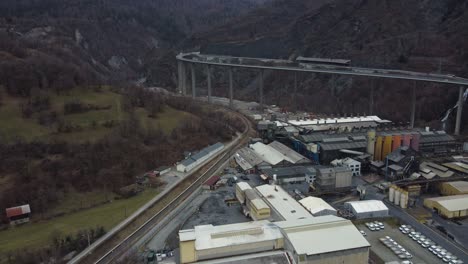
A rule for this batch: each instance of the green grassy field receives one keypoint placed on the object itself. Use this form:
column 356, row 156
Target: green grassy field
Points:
column 14, row 126
column 35, row 235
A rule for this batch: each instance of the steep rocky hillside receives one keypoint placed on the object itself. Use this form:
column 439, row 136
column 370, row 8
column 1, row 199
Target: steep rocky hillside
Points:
column 78, row 42
column 427, row 36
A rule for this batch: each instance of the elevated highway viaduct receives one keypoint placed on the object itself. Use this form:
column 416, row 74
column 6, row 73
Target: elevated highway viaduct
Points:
column 189, row 60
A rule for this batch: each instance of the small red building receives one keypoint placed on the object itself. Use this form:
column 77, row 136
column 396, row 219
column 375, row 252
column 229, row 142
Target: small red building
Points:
column 210, row 184
column 19, row 214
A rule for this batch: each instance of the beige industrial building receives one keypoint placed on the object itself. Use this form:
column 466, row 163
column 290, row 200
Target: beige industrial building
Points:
column 367, row 208
column 455, row 206
column 241, row 187
column 454, row 188
column 321, row 240
column 211, row 242
column 333, row 177
column 309, row 241
column 257, row 209
column 282, row 205
column 317, row 206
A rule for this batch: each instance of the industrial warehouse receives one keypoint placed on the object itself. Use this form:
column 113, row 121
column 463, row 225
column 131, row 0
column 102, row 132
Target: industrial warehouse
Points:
column 287, row 226
column 291, row 195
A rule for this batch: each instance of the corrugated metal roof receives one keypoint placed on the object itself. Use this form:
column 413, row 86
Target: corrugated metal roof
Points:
column 452, row 203
column 212, row 181
column 283, row 204
column 315, row 204
column 323, row 234
column 367, row 206
column 458, row 166
column 289, row 154
column 199, row 155
column 338, row 139
column 438, row 170
column 289, row 171
column 268, row 257
column 214, row 147
column 18, row 210
column 267, row 153
column 395, row 167
column 186, row 162
column 338, row 146
column 461, row 186
column 247, row 158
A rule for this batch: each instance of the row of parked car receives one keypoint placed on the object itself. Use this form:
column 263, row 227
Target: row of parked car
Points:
column 375, row 226
column 435, row 249
column 398, row 249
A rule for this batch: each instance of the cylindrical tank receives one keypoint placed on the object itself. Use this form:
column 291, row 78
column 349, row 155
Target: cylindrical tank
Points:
column 391, row 193
column 378, row 148
column 396, row 142
column 404, row 199
column 407, row 140
column 387, row 146
column 397, row 196
column 371, row 143
column 415, row 141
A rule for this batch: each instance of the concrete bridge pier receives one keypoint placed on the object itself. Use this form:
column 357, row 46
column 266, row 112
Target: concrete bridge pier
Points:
column 459, row 111
column 208, row 76
column 180, row 75
column 192, row 73
column 413, row 105
column 231, row 92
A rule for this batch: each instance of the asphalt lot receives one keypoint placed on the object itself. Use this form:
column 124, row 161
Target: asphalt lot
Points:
column 420, row 254
column 457, row 250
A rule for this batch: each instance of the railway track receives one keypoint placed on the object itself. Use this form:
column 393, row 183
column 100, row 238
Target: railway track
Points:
column 116, row 247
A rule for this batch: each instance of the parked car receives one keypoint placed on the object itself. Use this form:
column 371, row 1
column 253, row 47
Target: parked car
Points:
column 362, row 233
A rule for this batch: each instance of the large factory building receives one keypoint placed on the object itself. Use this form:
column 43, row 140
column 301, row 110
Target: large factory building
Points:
column 307, row 241
column 454, row 206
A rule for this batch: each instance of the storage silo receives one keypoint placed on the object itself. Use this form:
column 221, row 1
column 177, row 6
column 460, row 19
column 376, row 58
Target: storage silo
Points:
column 396, row 142
column 404, row 199
column 415, row 141
column 378, row 148
column 407, row 140
column 387, row 146
column 397, row 196
column 371, row 143
column 391, row 193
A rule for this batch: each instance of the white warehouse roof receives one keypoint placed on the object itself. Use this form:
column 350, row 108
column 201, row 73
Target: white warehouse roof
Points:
column 210, row 237
column 267, row 153
column 322, row 234
column 315, row 204
column 367, row 206
column 452, row 203
column 339, row 120
column 282, row 203
column 288, row 153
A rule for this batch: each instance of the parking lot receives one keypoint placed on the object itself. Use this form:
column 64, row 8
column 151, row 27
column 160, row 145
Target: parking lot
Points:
column 420, row 254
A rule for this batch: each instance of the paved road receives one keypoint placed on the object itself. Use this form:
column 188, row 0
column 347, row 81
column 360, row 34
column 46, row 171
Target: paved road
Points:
column 428, row 232
column 286, row 65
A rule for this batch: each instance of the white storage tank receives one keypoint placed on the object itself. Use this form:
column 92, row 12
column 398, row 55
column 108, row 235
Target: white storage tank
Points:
column 397, row 196
column 391, row 194
column 404, row 199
